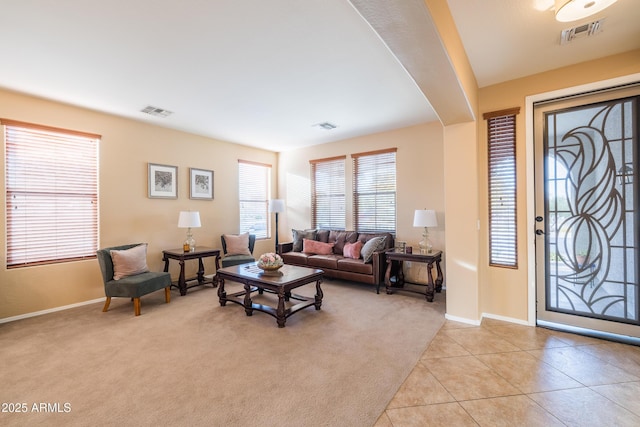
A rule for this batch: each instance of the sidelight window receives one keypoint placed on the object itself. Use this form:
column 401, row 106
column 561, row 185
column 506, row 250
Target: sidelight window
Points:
column 503, row 237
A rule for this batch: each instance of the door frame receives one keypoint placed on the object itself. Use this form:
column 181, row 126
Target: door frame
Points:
column 530, row 172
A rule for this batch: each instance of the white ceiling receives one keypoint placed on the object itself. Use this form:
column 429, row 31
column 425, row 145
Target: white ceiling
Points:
column 506, row 39
column 264, row 73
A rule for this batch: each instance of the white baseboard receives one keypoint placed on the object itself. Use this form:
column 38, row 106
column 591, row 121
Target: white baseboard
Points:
column 462, row 320
column 488, row 316
column 50, row 310
column 506, row 319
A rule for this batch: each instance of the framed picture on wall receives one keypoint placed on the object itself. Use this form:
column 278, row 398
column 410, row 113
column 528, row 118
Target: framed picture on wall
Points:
column 163, row 181
column 201, row 184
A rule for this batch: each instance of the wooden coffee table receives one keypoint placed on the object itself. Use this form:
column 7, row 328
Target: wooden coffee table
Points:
column 289, row 277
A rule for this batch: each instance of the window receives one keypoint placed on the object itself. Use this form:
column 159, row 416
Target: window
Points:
column 52, row 194
column 502, row 188
column 254, row 183
column 327, row 193
column 374, row 191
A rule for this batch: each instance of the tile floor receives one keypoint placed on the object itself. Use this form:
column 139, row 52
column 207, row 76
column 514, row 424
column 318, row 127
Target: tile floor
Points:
column 501, row 374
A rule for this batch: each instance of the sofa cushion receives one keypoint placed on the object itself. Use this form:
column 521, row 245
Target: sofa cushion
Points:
column 230, row 260
column 295, row 258
column 323, row 236
column 324, row 261
column 299, row 235
column 315, row 247
column 137, row 285
column 373, row 245
column 355, row 266
column 339, row 238
column 352, row 250
column 129, row 262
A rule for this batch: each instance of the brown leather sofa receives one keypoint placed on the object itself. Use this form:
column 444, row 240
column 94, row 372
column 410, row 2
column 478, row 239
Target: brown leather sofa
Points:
column 335, row 264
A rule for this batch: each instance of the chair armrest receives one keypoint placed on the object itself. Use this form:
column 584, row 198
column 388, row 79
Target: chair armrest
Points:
column 285, row 247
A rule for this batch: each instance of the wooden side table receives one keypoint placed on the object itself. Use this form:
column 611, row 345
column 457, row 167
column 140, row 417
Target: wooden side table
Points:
column 394, row 262
column 182, row 256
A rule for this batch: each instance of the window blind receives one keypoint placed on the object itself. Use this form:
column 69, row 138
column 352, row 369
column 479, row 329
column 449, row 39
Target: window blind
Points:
column 374, row 191
column 254, row 184
column 502, row 188
column 327, row 193
column 51, row 194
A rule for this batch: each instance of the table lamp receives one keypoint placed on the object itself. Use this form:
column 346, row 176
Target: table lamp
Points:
column 189, row 220
column 425, row 218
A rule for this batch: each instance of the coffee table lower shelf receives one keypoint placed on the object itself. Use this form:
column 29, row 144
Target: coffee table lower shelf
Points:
column 278, row 313
column 280, row 285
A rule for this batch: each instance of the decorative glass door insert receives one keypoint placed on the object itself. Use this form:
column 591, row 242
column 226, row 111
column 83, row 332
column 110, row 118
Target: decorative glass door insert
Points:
column 588, row 164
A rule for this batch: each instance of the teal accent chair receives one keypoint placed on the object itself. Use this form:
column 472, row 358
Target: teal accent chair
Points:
column 133, row 286
column 230, row 260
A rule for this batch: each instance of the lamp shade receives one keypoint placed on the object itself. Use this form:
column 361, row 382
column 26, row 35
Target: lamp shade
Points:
column 572, row 10
column 276, row 205
column 189, row 219
column 425, row 218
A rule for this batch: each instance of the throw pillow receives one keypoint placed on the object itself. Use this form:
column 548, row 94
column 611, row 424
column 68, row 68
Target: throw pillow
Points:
column 315, row 247
column 339, row 238
column 373, row 245
column 299, row 235
column 352, row 250
column 129, row 262
column 237, row 245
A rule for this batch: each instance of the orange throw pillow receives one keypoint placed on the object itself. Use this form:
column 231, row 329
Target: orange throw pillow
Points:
column 352, row 250
column 318, row 248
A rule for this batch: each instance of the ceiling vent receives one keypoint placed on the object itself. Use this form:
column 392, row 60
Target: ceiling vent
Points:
column 155, row 111
column 326, row 126
column 581, row 31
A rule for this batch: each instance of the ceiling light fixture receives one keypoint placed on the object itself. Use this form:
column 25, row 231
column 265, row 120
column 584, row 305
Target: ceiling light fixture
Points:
column 572, row 10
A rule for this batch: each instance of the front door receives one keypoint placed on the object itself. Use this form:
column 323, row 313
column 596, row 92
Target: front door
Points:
column 588, row 213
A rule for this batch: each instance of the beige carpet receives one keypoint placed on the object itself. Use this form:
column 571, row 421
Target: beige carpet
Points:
column 195, row 363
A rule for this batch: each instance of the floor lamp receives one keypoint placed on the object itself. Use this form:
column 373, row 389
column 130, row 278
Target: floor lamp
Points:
column 276, row 206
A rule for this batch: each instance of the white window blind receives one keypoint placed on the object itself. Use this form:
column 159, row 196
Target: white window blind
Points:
column 327, row 193
column 254, row 183
column 51, row 194
column 503, row 237
column 374, row 191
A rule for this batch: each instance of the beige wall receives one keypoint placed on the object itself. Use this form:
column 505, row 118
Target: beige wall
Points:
column 420, row 174
column 127, row 215
column 461, row 197
column 505, row 292
column 460, row 172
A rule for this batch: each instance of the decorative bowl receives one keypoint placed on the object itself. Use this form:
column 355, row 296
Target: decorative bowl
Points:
column 270, row 262
column 269, row 267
